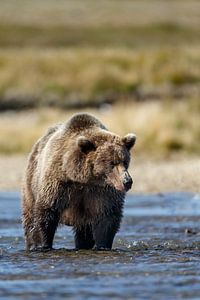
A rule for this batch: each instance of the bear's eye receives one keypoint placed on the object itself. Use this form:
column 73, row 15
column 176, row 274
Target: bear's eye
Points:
column 125, row 164
column 114, row 164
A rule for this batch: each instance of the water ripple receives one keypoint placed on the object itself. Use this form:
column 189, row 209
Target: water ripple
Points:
column 156, row 255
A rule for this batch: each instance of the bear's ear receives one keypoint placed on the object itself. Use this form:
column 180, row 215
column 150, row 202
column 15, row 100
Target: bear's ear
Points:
column 85, row 144
column 129, row 140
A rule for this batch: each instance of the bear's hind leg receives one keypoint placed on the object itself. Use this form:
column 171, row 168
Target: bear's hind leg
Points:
column 84, row 238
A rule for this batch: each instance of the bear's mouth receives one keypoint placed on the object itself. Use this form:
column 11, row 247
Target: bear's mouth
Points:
column 120, row 187
column 120, row 179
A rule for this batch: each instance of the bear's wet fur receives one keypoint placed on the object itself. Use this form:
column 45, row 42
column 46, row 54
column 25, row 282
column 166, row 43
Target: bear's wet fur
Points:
column 76, row 175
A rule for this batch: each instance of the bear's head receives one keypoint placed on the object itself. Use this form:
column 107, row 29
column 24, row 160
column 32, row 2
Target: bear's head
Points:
column 105, row 159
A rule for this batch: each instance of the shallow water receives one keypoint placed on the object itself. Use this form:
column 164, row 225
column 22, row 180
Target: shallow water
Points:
column 156, row 255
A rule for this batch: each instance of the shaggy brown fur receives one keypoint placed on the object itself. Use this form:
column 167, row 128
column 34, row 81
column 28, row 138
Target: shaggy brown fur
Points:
column 76, row 175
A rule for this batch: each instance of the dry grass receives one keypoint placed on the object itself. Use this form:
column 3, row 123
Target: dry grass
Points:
column 70, row 52
column 38, row 36
column 98, row 13
column 98, row 23
column 60, row 77
column 163, row 128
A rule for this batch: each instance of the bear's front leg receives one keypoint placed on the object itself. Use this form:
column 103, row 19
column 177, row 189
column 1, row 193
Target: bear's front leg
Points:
column 84, row 237
column 104, row 232
column 45, row 224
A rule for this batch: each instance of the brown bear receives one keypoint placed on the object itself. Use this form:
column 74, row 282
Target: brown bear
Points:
column 76, row 175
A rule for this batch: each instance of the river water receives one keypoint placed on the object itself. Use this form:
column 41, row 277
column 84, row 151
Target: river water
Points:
column 156, row 255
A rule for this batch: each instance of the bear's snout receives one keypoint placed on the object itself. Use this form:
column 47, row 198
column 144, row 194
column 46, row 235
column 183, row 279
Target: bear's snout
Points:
column 120, row 179
column 127, row 181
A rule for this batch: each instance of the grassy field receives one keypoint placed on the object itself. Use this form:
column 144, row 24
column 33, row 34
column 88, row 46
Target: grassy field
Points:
column 134, row 64
column 98, row 13
column 163, row 128
column 65, row 53
column 60, row 36
column 50, row 23
column 74, row 77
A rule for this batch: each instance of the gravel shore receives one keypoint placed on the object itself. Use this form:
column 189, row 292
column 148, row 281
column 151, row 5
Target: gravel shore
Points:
column 149, row 176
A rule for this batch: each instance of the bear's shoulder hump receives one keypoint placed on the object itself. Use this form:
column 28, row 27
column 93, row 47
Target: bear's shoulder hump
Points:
column 82, row 121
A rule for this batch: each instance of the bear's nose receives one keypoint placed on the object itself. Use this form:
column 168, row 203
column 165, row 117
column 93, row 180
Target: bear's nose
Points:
column 127, row 182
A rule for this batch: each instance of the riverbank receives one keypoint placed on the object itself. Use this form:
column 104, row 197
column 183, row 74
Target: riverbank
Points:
column 150, row 176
